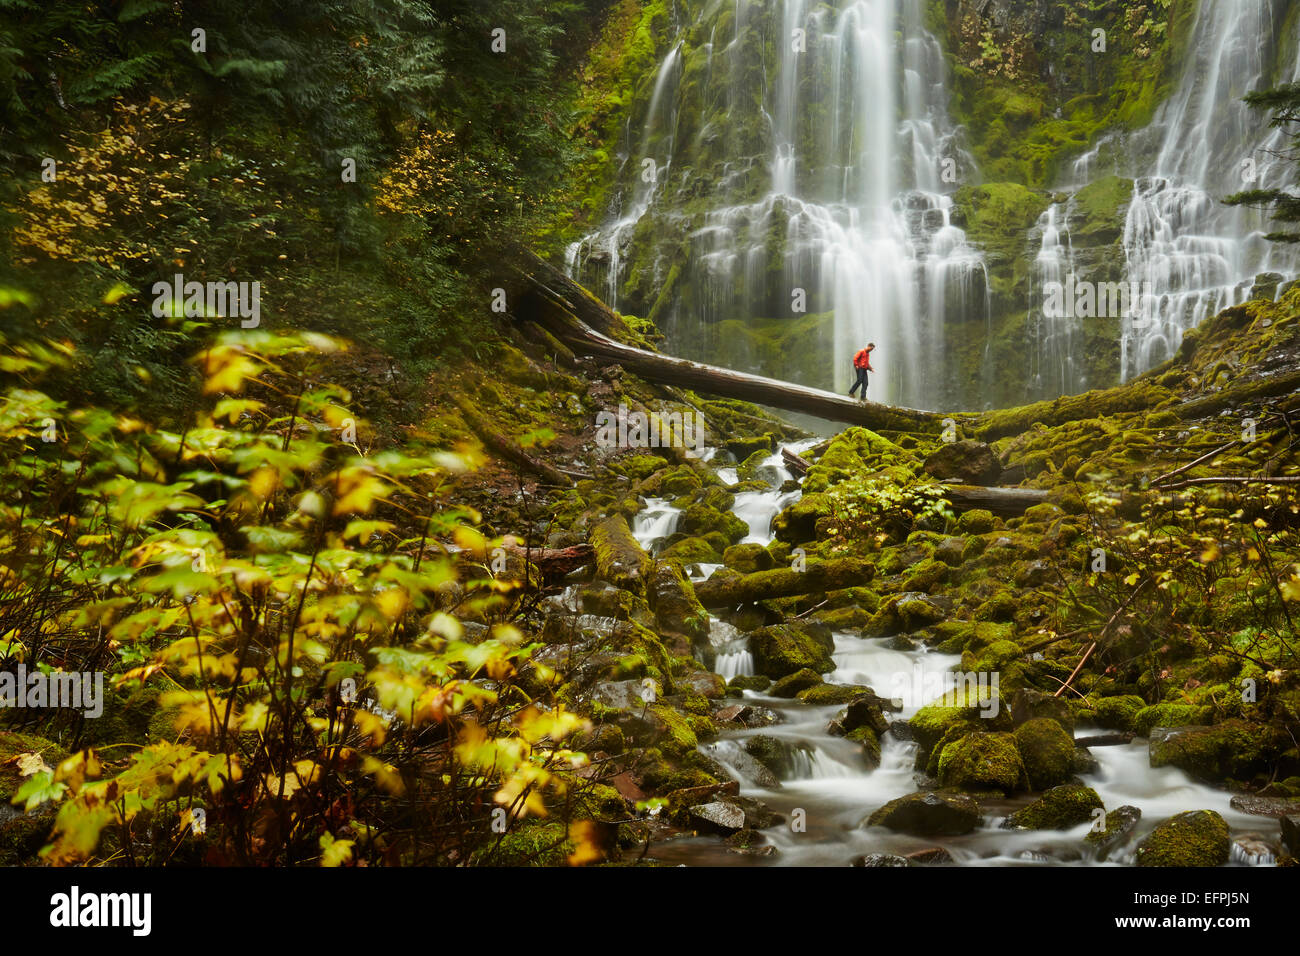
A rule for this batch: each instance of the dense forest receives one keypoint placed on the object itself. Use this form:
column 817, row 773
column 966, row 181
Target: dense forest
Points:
column 427, row 434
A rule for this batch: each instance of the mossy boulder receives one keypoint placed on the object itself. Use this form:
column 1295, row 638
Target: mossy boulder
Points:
column 676, row 608
column 731, row 589
column 747, row 558
column 1234, row 749
column 783, row 649
column 1194, row 838
column 904, row 613
column 798, row 522
column 1170, row 715
column 1058, row 809
column 792, row 684
column 700, row 518
column 969, row 462
column 1047, row 751
column 982, row 761
column 1119, row 827
column 823, row 694
column 976, row 521
column 971, row 705
column 1118, row 713
column 928, row 814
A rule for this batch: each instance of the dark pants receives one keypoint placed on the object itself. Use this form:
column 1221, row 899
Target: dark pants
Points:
column 862, row 381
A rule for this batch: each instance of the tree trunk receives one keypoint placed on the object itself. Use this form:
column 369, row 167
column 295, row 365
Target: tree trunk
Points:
column 585, row 324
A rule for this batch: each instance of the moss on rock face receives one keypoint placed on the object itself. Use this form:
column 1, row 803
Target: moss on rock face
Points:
column 982, row 761
column 792, row 684
column 979, row 706
column 1047, row 751
column 747, row 558
column 676, row 609
column 1232, row 750
column 1194, row 838
column 1058, row 809
column 12, row 745
column 786, row 648
column 1170, row 715
column 1118, row 713
column 546, row 844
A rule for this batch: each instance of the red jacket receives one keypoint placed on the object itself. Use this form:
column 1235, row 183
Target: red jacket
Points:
column 863, row 360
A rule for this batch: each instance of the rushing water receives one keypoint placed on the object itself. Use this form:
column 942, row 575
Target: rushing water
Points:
column 829, row 785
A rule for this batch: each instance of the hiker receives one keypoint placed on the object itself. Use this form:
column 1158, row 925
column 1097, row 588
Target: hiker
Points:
column 862, row 364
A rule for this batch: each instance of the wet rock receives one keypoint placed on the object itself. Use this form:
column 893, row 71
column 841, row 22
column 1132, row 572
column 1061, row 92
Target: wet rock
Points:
column 729, row 814
column 748, row 715
column 676, row 609
column 782, row 649
column 625, row 694
column 752, row 769
column 1170, row 715
column 824, row 694
column 749, row 682
column 1291, row 833
column 950, row 551
column 1033, row 574
column 1232, row 750
column 1047, row 752
column 792, row 684
column 906, row 612
column 706, row 683
column 781, row 757
column 1194, row 838
column 1120, row 824
column 969, row 462
column 1028, row 703
column 930, row 856
column 1265, row 806
column 982, row 761
column 881, row 859
column 865, row 710
column 1058, row 809
column 928, row 814
column 1252, row 849
column 1082, row 762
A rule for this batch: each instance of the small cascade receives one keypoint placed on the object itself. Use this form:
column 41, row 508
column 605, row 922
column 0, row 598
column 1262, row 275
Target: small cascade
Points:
column 1191, row 255
column 731, row 650
column 655, row 523
column 1052, row 369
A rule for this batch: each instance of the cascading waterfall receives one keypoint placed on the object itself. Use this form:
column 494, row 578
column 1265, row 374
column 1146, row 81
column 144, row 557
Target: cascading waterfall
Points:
column 1052, row 368
column 1192, row 255
column 851, row 218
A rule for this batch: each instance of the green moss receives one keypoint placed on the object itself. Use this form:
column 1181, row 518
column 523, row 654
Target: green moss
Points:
column 1118, row 713
column 546, row 844
column 1047, row 751
column 1194, row 838
column 1058, row 809
column 1169, row 715
column 982, row 761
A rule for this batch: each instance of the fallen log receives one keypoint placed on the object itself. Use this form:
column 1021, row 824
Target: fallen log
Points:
column 728, row 590
column 1005, row 502
column 797, row 464
column 1105, row 740
column 620, row 559
column 555, row 561
column 507, row 449
column 585, row 324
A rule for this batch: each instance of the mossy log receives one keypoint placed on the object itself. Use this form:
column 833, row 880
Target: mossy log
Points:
column 620, row 559
column 586, row 324
column 1007, row 502
column 506, row 448
column 833, row 575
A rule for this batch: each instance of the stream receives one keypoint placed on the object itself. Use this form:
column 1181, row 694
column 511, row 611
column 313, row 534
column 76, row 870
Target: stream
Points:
column 831, row 788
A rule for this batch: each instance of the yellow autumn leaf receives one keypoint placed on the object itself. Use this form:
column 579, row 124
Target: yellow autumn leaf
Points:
column 1132, row 579
column 584, row 834
column 1290, row 588
column 1211, row 553
column 32, row 763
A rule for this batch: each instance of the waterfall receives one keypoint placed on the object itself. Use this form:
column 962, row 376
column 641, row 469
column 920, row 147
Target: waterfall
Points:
column 1193, row 255
column 829, row 196
column 1052, row 368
